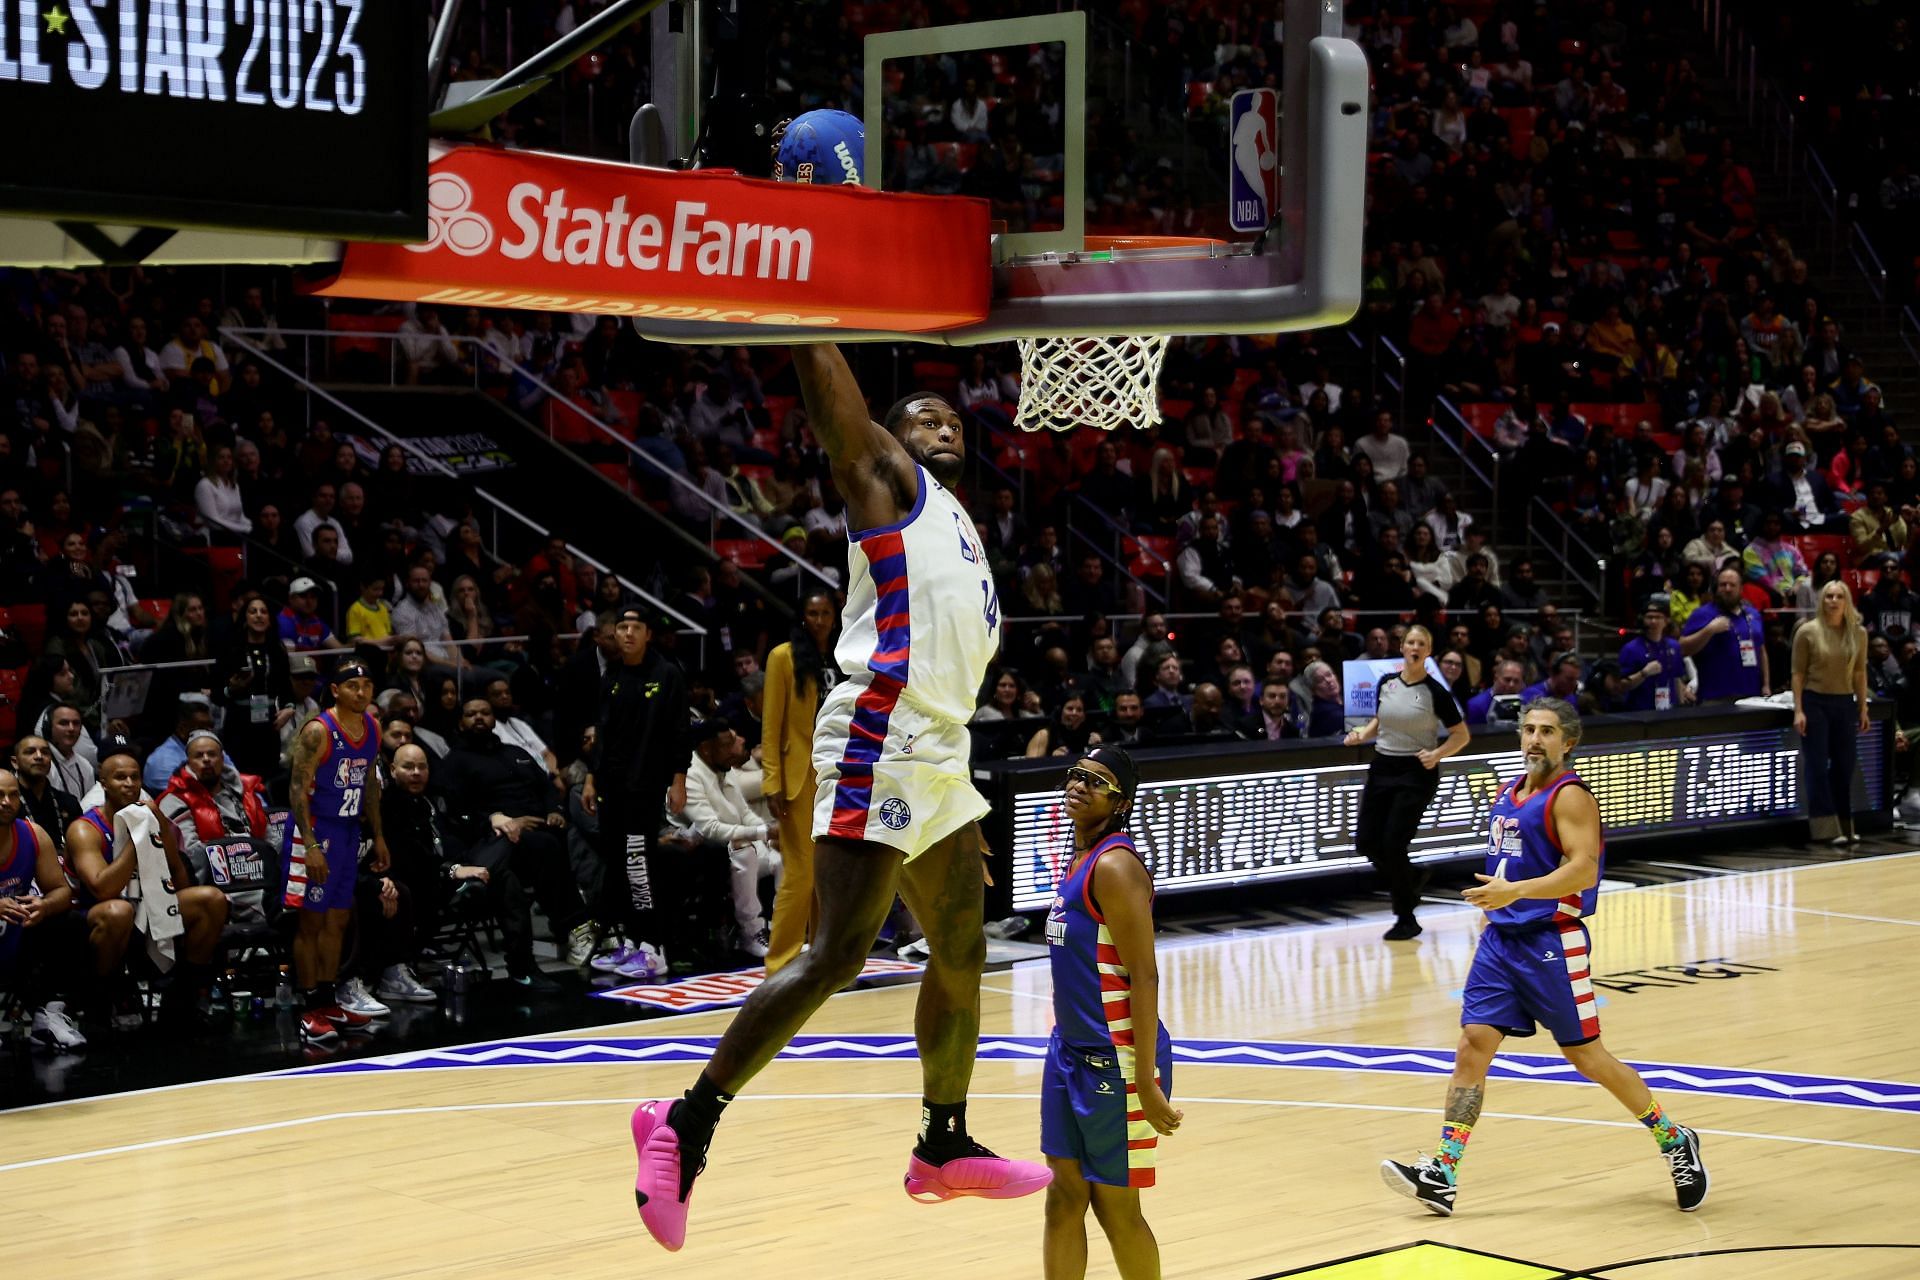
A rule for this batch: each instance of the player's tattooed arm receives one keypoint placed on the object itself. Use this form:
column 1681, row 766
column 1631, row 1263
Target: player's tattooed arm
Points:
column 305, row 758
column 1463, row 1104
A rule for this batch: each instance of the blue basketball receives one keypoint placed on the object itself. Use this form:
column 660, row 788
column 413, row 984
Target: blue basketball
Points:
column 828, row 148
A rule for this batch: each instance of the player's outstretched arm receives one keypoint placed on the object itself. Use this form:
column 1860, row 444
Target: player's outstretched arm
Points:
column 871, row 468
column 836, row 409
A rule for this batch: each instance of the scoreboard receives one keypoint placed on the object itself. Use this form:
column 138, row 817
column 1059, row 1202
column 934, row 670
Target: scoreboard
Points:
column 304, row 116
column 1247, row 814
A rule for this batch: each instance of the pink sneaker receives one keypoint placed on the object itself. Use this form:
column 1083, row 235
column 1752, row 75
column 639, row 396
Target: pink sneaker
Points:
column 981, row 1174
column 656, row 1189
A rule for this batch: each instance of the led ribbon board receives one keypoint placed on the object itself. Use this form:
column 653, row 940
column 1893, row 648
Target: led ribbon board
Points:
column 306, row 116
column 1236, row 825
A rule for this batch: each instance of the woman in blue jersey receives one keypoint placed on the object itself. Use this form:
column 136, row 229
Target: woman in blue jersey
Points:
column 1104, row 1099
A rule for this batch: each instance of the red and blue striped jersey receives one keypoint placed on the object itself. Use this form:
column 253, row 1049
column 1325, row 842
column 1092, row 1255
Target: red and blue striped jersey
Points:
column 1522, row 844
column 1092, row 990
column 922, row 615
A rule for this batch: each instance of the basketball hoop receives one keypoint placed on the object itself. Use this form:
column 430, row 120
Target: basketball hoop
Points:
column 1090, row 382
column 1104, row 382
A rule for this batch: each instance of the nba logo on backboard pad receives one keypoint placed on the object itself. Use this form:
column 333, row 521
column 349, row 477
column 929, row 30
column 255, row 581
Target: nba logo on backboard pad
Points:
column 1254, row 172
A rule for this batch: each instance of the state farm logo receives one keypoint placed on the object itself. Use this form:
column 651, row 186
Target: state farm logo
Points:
column 451, row 220
column 548, row 225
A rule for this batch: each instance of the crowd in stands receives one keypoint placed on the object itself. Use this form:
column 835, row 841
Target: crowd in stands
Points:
column 1560, row 239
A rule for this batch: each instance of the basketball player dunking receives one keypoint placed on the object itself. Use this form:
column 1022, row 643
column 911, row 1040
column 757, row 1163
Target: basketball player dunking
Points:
column 1533, row 963
column 896, row 809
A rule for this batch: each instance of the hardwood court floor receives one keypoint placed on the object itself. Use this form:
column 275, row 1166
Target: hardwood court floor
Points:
column 1785, row 1028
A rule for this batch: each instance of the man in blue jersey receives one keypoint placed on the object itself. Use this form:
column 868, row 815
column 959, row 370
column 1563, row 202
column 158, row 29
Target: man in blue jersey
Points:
column 1533, row 966
column 335, row 785
column 1727, row 640
column 1651, row 663
column 895, row 810
column 1508, row 678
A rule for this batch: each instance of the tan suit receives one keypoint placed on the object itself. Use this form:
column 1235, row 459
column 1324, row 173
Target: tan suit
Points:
column 786, row 749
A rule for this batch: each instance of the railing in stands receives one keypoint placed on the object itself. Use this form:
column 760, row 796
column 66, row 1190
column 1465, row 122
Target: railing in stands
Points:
column 1111, row 555
column 1867, row 258
column 1398, row 383
column 1909, row 329
column 1454, row 434
column 481, row 675
column 1546, row 528
column 1539, row 513
column 485, row 356
column 241, row 338
column 1116, row 547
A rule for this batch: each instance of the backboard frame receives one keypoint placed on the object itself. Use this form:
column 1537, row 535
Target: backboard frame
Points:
column 1068, row 29
column 1306, row 274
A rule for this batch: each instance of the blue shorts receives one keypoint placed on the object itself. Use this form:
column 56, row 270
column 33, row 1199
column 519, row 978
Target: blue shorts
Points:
column 1087, row 1113
column 1541, row 975
column 342, row 842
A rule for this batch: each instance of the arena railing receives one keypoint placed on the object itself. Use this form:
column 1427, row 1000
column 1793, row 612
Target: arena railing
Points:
column 434, row 464
column 1867, row 258
column 1547, row 531
column 476, row 674
column 718, row 513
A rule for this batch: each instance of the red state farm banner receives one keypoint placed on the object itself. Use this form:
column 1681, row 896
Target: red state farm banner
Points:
column 533, row 231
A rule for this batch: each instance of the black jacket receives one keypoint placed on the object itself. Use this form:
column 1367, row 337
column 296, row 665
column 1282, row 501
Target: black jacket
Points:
column 483, row 776
column 643, row 730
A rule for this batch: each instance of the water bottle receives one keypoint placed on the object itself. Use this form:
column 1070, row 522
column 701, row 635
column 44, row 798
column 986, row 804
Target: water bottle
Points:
column 283, row 991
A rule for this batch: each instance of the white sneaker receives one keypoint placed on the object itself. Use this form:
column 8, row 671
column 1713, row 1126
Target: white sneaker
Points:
column 755, row 944
column 53, row 1029
column 399, row 984
column 355, row 998
column 579, row 949
column 644, row 961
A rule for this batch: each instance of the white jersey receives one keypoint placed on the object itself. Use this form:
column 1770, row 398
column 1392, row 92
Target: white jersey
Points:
column 922, row 617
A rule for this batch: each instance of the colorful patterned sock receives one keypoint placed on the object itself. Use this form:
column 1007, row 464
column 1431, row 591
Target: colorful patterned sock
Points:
column 1665, row 1132
column 1453, row 1146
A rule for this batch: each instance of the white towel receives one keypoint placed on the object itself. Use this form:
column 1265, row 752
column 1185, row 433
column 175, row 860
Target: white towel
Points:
column 136, row 832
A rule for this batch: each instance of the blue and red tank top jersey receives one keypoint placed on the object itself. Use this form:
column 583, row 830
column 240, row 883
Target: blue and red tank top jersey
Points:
column 340, row 775
column 1092, row 990
column 1522, row 844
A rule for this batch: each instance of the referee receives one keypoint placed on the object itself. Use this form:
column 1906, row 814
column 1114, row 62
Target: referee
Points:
column 1411, row 710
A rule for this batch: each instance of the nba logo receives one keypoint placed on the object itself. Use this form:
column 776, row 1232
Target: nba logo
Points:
column 1253, row 174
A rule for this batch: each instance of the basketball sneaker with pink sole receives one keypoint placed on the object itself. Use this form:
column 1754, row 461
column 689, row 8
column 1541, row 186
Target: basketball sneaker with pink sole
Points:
column 656, row 1188
column 979, row 1173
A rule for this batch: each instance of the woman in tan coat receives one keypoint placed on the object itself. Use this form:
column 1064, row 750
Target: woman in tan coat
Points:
column 799, row 673
column 1830, row 710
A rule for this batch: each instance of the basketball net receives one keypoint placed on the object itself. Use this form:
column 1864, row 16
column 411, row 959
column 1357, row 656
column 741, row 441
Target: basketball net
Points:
column 1090, row 382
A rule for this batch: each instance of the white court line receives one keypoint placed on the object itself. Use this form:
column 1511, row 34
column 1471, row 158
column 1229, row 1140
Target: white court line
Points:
column 189, row 1139
column 1808, row 911
column 638, row 1026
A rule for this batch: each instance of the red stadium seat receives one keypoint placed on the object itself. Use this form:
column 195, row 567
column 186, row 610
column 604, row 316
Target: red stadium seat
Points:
column 27, row 621
column 12, row 680
column 748, row 553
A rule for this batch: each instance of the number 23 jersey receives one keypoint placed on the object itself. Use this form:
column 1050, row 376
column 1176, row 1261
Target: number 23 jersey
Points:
column 340, row 775
column 922, row 618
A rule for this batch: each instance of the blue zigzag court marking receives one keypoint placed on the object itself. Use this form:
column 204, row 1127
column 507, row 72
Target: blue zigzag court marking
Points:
column 1735, row 1082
